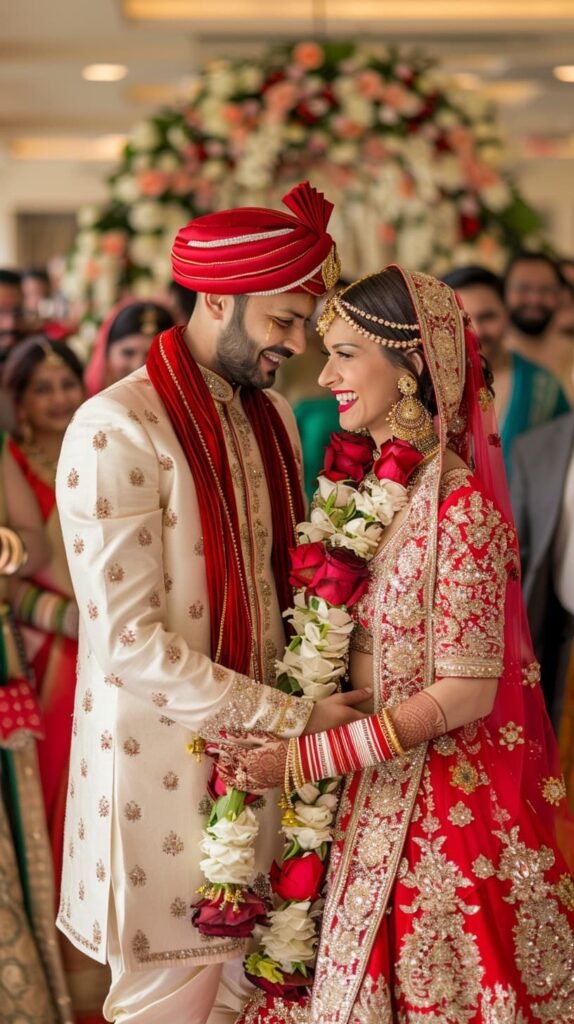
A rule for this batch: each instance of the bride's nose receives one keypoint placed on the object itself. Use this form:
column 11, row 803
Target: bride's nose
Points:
column 328, row 375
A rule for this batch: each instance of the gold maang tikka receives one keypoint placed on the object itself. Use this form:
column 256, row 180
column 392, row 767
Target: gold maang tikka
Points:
column 410, row 421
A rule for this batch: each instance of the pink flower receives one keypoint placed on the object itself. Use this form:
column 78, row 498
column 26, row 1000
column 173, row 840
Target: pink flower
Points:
column 370, row 84
column 374, row 149
column 281, row 97
column 346, row 128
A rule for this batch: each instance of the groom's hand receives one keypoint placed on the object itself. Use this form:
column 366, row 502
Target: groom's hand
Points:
column 338, row 709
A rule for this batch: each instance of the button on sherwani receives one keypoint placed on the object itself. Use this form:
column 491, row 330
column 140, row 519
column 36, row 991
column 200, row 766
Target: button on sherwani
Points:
column 147, row 686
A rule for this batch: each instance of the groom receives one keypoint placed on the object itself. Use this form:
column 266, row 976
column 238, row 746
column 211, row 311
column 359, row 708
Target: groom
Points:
column 178, row 490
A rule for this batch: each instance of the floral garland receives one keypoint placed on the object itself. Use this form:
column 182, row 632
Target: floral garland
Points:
column 413, row 162
column 353, row 504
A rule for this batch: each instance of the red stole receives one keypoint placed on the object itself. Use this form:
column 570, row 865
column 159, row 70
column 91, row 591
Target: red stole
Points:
column 179, row 383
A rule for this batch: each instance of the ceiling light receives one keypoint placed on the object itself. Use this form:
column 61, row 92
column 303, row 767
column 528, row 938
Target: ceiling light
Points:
column 103, row 148
column 104, row 72
column 564, row 72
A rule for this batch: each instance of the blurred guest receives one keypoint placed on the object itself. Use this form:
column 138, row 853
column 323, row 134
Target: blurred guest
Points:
column 123, row 342
column 36, row 289
column 11, row 311
column 182, row 302
column 526, row 394
column 44, row 379
column 543, row 503
column 567, row 271
column 534, row 293
column 27, row 892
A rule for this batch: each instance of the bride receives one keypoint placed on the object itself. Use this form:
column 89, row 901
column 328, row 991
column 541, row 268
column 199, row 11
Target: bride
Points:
column 447, row 900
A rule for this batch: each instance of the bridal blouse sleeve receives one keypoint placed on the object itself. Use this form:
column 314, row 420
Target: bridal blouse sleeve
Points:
column 473, row 560
column 108, row 493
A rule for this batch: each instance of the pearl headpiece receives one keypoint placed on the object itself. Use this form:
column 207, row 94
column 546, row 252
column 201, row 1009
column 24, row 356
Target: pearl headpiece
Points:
column 338, row 306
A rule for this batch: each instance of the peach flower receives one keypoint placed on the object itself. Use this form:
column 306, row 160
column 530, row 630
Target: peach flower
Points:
column 370, row 84
column 281, row 97
column 152, row 183
column 113, row 243
column 309, row 55
column 346, row 128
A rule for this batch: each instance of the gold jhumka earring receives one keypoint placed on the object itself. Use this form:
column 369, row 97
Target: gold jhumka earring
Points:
column 410, row 421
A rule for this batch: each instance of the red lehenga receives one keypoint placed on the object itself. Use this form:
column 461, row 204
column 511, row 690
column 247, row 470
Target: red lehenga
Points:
column 448, row 900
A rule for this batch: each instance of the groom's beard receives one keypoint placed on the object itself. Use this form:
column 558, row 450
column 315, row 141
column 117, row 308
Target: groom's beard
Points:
column 238, row 355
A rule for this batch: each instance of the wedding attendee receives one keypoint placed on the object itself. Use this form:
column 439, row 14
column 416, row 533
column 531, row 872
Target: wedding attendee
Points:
column 34, row 987
column 11, row 310
column 534, row 292
column 123, row 342
column 36, row 290
column 447, row 896
column 178, row 490
column 525, row 394
column 182, row 302
column 44, row 380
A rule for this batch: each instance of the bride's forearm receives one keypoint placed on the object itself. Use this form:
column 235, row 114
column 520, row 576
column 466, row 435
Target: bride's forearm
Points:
column 447, row 704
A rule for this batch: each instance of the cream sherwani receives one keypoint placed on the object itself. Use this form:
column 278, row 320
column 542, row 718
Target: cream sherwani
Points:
column 146, row 683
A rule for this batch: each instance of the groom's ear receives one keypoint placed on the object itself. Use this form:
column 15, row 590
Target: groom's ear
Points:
column 218, row 307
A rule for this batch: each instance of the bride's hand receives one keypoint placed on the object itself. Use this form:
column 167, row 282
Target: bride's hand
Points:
column 252, row 771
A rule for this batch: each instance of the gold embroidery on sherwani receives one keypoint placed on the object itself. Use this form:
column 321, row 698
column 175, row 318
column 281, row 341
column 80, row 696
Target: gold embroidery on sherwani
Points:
column 360, row 880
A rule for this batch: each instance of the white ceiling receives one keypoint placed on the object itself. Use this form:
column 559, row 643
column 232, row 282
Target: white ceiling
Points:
column 46, row 43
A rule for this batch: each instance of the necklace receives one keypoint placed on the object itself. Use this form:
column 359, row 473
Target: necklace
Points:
column 43, row 461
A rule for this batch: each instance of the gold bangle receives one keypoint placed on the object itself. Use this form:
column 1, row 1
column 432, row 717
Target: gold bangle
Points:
column 287, row 786
column 297, row 766
column 389, row 727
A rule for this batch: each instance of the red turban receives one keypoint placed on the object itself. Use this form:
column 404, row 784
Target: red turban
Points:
column 254, row 251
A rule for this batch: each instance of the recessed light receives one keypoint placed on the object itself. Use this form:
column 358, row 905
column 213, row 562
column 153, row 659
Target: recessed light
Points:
column 564, row 72
column 104, row 72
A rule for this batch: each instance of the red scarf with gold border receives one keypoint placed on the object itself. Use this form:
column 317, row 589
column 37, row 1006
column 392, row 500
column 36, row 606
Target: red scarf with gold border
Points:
column 180, row 384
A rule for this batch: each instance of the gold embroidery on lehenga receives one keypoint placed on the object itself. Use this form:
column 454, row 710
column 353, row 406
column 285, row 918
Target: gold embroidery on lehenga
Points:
column 374, row 1003
column 499, row 1006
column 439, row 960
column 543, row 939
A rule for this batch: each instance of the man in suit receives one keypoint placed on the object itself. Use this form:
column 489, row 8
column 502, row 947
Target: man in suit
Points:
column 542, row 493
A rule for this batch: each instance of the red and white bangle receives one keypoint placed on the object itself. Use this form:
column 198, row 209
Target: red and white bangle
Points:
column 348, row 748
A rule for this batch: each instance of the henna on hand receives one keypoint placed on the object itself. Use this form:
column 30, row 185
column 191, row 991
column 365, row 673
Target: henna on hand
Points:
column 253, row 771
column 418, row 719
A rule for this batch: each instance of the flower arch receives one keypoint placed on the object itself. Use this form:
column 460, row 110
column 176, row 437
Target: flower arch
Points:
column 414, row 163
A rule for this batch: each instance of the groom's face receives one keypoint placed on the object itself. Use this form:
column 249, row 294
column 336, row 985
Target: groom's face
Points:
column 261, row 334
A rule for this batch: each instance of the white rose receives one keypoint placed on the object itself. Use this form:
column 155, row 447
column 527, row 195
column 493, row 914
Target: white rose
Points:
column 328, row 800
column 240, row 831
column 125, row 188
column 308, row 838
column 227, row 864
column 496, row 197
column 146, row 216
column 178, row 137
column 141, row 162
column 308, row 793
column 318, row 529
column 343, row 153
column 315, row 815
column 213, row 170
column 88, row 242
column 144, row 248
column 344, row 494
column 382, row 499
column 145, row 136
column 359, row 110
column 87, row 216
column 291, row 937
column 222, row 82
column 144, row 288
column 167, row 162
column 250, row 78
column 359, row 536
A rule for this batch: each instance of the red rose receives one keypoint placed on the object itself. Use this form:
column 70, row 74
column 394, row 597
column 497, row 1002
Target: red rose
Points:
column 306, row 559
column 347, row 457
column 397, row 461
column 294, row 986
column 217, row 917
column 298, row 878
column 342, row 579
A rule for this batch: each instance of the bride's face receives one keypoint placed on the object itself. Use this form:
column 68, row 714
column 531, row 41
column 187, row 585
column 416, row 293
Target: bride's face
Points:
column 362, row 379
